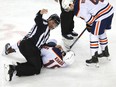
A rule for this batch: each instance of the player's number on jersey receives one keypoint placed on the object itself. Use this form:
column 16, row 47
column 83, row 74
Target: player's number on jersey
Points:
column 96, row 1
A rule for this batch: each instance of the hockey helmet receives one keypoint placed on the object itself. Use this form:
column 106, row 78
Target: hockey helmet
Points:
column 56, row 18
column 69, row 57
column 51, row 42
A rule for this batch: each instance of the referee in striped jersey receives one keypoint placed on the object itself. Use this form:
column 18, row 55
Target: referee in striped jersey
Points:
column 31, row 44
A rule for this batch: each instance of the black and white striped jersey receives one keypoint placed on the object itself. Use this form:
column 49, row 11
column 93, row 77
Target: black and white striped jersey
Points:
column 40, row 32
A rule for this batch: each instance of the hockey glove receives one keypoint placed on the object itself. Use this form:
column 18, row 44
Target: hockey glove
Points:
column 88, row 27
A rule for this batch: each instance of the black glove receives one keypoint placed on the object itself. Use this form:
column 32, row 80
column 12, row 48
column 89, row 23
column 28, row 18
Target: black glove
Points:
column 88, row 27
column 63, row 53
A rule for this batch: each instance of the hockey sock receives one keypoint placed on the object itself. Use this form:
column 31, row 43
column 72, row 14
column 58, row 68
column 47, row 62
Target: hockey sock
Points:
column 94, row 45
column 103, row 41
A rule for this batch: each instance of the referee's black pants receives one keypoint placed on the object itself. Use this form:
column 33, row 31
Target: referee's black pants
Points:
column 67, row 22
column 34, row 61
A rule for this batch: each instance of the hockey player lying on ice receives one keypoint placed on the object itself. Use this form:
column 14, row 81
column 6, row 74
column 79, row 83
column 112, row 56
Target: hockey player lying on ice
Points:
column 98, row 16
column 52, row 55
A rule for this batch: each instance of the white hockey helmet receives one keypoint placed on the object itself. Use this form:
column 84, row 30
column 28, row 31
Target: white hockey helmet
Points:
column 69, row 58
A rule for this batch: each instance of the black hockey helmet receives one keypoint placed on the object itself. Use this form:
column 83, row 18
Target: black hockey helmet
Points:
column 51, row 43
column 56, row 18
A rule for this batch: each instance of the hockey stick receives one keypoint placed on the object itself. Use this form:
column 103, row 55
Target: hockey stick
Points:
column 77, row 39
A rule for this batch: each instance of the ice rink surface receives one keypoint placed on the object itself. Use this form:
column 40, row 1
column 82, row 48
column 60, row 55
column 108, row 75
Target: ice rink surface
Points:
column 16, row 19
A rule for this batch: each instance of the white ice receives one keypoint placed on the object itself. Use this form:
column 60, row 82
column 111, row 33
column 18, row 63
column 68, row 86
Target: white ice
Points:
column 16, row 19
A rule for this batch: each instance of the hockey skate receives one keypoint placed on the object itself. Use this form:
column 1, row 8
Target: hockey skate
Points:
column 9, row 71
column 93, row 60
column 73, row 33
column 68, row 37
column 105, row 53
column 8, row 49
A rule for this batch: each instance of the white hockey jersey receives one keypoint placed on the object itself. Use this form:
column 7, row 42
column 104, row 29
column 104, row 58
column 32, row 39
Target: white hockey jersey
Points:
column 92, row 10
column 51, row 59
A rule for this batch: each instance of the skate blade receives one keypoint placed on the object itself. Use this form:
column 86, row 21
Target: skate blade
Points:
column 107, row 58
column 93, row 64
column 75, row 37
column 6, row 69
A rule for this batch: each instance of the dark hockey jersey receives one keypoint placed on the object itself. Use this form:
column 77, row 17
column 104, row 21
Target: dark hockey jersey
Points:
column 40, row 32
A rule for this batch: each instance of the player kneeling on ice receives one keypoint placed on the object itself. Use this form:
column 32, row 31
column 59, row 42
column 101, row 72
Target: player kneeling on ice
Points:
column 98, row 16
column 52, row 56
column 31, row 44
